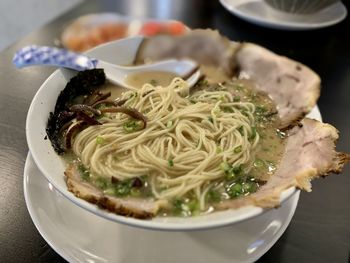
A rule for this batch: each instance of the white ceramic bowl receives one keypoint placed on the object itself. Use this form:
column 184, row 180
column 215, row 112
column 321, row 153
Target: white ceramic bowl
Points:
column 52, row 166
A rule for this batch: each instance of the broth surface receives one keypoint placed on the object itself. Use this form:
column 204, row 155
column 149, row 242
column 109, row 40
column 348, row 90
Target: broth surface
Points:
column 155, row 78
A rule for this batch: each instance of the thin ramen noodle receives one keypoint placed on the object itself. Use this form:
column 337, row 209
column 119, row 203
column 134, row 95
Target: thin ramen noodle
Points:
column 186, row 146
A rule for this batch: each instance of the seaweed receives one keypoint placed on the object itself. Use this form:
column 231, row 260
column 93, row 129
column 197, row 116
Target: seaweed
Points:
column 84, row 83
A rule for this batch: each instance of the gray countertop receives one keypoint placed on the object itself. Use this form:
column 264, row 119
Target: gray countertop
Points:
column 18, row 18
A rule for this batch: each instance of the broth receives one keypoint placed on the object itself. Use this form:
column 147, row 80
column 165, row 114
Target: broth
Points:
column 155, row 78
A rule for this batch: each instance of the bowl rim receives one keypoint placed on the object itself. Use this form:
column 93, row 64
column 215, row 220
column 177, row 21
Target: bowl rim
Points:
column 155, row 223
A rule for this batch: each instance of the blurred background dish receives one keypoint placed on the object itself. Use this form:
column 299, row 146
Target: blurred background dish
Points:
column 260, row 13
column 300, row 6
column 92, row 30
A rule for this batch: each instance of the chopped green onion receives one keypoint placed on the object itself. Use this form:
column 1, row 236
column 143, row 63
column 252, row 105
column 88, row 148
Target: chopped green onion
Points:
column 241, row 130
column 203, row 82
column 222, row 98
column 213, row 196
column 169, row 124
column 258, row 163
column 231, row 172
column 218, row 149
column 100, row 116
column 238, row 169
column 153, row 82
column 123, row 188
column 185, row 207
column 84, row 172
column 217, row 111
column 171, row 162
column 253, row 135
column 237, row 149
column 225, row 166
column 177, row 206
column 259, row 110
column 100, row 140
column 249, row 187
column 101, row 183
column 131, row 126
column 135, row 192
column 238, row 86
column 227, row 109
column 193, row 205
column 230, row 175
column 109, row 191
column 210, row 118
column 234, row 190
column 236, row 98
column 178, row 203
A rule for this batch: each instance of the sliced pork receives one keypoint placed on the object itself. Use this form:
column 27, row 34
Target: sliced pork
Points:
column 207, row 47
column 133, row 207
column 292, row 86
column 310, row 153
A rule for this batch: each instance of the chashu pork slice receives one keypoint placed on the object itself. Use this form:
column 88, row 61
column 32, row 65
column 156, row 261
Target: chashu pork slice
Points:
column 310, row 153
column 293, row 87
column 133, row 207
column 207, row 47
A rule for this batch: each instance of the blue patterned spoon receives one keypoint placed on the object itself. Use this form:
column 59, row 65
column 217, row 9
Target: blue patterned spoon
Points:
column 51, row 56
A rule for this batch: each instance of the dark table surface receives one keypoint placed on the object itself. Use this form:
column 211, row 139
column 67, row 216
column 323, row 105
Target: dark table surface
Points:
column 320, row 228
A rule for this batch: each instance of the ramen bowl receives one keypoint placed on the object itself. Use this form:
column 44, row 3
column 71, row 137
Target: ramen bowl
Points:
column 53, row 166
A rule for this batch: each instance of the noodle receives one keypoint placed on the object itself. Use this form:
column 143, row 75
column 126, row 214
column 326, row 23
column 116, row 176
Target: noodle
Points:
column 186, row 140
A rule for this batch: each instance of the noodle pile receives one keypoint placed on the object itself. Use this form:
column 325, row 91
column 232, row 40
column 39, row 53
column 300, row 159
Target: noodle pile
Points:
column 186, row 139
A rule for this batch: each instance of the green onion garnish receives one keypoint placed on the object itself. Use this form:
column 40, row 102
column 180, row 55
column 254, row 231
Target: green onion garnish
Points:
column 169, row 124
column 131, row 126
column 237, row 149
column 100, row 140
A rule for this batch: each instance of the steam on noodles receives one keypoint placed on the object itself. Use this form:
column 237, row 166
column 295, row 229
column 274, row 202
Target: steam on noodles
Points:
column 191, row 145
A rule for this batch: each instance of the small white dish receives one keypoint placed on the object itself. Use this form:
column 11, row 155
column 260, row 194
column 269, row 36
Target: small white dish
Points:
column 88, row 31
column 79, row 236
column 260, row 13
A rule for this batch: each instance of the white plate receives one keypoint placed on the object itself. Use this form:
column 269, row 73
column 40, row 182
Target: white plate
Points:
column 80, row 236
column 259, row 13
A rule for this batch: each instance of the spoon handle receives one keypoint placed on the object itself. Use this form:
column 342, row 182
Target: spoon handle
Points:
column 43, row 55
